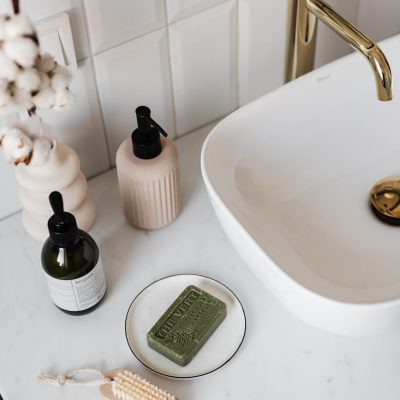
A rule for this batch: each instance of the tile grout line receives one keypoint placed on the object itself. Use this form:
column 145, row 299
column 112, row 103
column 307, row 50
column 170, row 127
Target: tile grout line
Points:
column 14, row 213
column 170, row 74
column 160, row 27
column 237, row 45
column 103, row 122
column 197, row 12
column 215, row 120
column 96, row 81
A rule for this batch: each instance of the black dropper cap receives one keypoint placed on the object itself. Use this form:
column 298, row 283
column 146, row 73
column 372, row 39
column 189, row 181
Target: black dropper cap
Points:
column 62, row 225
column 146, row 140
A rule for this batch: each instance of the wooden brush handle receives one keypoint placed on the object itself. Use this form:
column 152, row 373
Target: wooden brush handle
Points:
column 105, row 389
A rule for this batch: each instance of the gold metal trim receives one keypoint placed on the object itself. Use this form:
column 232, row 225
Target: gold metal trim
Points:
column 302, row 38
column 385, row 200
column 302, row 32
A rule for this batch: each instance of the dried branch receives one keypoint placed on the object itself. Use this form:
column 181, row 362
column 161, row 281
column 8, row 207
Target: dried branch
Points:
column 15, row 4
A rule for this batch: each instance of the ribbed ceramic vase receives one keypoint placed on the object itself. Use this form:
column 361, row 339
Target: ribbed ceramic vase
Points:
column 60, row 173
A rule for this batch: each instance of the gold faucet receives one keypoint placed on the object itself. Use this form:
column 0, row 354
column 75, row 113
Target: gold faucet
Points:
column 302, row 39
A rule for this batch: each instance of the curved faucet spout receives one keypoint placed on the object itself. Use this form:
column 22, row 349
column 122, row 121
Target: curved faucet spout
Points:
column 362, row 43
column 355, row 38
column 383, row 74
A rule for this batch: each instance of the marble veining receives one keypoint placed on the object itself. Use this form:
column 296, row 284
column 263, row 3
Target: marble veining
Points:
column 281, row 357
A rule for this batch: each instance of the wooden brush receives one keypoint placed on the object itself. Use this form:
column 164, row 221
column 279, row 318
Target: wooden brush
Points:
column 118, row 384
column 125, row 385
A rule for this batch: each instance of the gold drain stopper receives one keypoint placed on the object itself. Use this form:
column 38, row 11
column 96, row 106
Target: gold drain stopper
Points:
column 385, row 200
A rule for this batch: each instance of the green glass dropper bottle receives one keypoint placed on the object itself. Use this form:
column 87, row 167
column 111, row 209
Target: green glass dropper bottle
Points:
column 71, row 262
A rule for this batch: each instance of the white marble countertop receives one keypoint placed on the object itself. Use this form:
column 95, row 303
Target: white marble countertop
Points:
column 281, row 357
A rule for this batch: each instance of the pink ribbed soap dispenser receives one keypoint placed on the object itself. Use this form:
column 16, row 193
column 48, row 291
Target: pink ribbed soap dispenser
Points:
column 148, row 175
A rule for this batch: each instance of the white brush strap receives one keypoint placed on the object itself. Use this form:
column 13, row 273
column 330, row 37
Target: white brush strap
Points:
column 69, row 378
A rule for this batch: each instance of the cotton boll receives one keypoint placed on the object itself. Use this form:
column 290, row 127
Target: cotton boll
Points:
column 41, row 151
column 3, row 132
column 22, row 99
column 18, row 25
column 28, row 79
column 3, row 85
column 6, row 102
column 16, row 146
column 7, row 109
column 22, row 50
column 14, row 99
column 64, row 100
column 45, row 98
column 34, row 127
column 61, row 78
column 5, row 97
column 46, row 63
column 3, row 34
column 31, row 126
column 8, row 68
column 44, row 80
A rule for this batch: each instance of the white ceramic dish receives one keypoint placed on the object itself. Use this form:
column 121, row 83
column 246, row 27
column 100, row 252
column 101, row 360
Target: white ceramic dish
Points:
column 152, row 302
column 289, row 177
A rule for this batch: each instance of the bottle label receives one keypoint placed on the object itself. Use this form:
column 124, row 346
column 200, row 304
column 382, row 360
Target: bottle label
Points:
column 78, row 294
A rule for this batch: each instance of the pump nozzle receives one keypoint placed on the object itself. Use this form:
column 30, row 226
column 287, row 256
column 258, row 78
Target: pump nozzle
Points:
column 57, row 204
column 146, row 142
column 143, row 117
column 62, row 225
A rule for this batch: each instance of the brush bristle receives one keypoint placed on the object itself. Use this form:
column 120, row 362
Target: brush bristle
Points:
column 128, row 386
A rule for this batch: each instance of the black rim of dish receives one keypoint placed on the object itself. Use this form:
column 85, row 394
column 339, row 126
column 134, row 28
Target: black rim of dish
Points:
column 194, row 376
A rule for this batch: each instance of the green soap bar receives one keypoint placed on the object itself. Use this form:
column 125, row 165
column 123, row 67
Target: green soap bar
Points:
column 187, row 324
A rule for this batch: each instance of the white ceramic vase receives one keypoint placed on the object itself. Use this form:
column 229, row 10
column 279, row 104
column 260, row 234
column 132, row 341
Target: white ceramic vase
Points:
column 62, row 173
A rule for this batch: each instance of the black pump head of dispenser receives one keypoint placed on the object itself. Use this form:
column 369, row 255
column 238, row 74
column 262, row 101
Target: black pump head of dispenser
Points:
column 62, row 225
column 146, row 140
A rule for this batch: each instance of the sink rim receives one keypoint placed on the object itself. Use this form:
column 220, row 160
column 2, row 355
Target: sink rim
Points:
column 278, row 269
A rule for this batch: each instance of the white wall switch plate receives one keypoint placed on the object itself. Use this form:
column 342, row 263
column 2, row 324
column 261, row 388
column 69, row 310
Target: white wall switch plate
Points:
column 55, row 37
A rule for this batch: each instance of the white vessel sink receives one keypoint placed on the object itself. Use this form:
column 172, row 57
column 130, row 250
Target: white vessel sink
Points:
column 289, row 178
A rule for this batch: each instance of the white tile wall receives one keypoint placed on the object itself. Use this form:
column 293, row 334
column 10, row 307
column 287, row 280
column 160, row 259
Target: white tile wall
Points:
column 262, row 46
column 379, row 19
column 329, row 45
column 130, row 75
column 178, row 9
column 133, row 18
column 82, row 127
column 204, row 66
column 191, row 61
